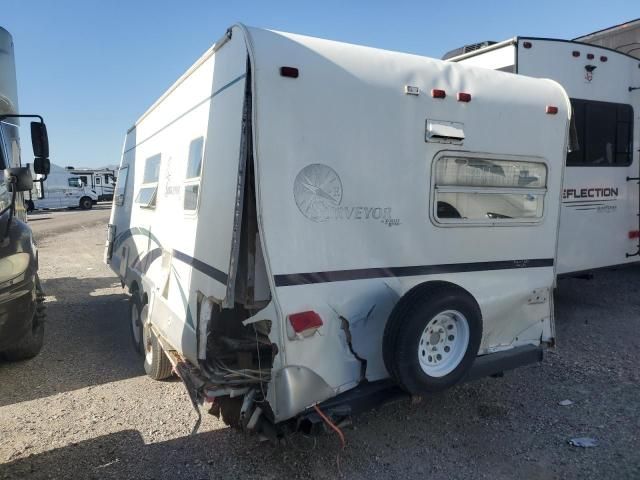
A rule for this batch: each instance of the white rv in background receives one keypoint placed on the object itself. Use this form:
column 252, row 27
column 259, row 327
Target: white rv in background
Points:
column 600, row 202
column 296, row 218
column 102, row 181
column 61, row 189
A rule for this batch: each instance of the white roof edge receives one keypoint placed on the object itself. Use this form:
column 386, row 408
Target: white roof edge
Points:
column 203, row 58
column 495, row 46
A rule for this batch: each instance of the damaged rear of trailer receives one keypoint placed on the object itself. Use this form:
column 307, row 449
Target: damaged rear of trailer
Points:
column 304, row 223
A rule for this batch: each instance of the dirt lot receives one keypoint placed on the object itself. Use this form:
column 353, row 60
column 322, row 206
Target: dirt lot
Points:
column 84, row 409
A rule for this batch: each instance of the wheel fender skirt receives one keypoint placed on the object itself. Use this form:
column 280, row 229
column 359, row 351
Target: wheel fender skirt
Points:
column 296, row 388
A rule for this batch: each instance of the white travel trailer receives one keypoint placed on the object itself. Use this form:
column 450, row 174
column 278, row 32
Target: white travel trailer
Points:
column 61, row 189
column 102, row 181
column 600, row 203
column 302, row 222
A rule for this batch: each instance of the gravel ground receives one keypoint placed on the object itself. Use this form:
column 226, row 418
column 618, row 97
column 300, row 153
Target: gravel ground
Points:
column 84, row 409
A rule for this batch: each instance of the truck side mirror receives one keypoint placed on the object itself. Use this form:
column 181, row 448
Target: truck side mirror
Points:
column 41, row 166
column 40, row 141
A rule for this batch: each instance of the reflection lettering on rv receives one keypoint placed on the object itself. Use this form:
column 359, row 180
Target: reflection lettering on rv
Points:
column 595, row 192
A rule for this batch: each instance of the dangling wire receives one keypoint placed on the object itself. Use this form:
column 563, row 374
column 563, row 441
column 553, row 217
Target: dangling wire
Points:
column 332, row 425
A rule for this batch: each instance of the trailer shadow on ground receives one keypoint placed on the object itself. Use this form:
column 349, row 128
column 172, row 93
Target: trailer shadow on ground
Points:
column 86, row 321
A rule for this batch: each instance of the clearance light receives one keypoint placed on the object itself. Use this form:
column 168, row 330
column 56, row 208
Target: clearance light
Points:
column 305, row 322
column 634, row 234
column 290, row 72
column 435, row 93
column 575, row 53
column 590, row 56
column 527, row 45
column 551, row 110
column 603, row 58
column 464, row 97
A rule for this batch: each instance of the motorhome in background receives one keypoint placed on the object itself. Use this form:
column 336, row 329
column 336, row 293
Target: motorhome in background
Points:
column 302, row 223
column 61, row 189
column 102, row 180
column 600, row 205
column 22, row 310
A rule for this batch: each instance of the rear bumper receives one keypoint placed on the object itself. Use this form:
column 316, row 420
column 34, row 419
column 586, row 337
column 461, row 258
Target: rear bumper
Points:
column 368, row 395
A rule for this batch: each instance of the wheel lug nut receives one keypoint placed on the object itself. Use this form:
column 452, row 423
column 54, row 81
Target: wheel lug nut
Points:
column 451, row 337
column 446, row 349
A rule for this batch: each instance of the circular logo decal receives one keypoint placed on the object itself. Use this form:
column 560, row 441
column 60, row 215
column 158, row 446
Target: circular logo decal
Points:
column 317, row 191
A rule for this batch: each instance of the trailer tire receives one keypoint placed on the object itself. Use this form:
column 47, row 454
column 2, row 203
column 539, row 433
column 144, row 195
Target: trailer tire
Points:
column 136, row 310
column 440, row 319
column 86, row 203
column 29, row 206
column 30, row 345
column 156, row 363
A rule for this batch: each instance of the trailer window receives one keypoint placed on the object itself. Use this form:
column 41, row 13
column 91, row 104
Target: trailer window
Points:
column 121, row 185
column 482, row 190
column 151, row 169
column 192, row 178
column 148, row 192
column 604, row 134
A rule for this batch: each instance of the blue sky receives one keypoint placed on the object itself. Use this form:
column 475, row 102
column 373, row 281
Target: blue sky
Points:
column 91, row 67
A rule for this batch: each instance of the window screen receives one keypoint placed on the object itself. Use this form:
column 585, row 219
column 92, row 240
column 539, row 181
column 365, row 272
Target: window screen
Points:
column 194, row 166
column 604, row 133
column 151, row 169
column 487, row 190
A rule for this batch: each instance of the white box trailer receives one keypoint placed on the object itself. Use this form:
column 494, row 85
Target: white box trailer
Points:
column 600, row 203
column 61, row 189
column 299, row 219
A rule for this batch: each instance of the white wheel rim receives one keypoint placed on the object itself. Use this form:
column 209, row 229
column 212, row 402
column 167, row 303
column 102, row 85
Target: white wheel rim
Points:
column 135, row 324
column 146, row 336
column 443, row 343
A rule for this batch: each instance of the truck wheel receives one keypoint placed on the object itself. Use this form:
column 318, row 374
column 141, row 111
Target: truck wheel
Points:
column 432, row 338
column 86, row 203
column 30, row 207
column 137, row 317
column 30, row 345
column 156, row 363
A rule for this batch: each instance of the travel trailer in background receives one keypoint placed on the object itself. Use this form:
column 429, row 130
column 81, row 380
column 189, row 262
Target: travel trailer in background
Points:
column 102, row 181
column 22, row 311
column 303, row 224
column 61, row 189
column 600, row 202
column 624, row 38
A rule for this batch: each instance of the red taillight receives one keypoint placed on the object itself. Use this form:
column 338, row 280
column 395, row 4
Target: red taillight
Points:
column 590, row 56
column 527, row 44
column 464, row 97
column 290, row 72
column 634, row 234
column 551, row 110
column 603, row 58
column 305, row 321
column 575, row 53
column 436, row 93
